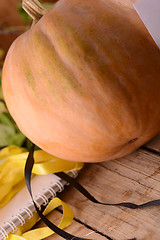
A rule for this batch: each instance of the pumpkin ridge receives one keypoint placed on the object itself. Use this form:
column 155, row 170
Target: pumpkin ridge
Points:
column 71, row 81
column 90, row 72
column 61, row 57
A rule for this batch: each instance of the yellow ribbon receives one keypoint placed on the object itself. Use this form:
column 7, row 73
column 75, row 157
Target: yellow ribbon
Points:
column 11, row 150
column 12, row 165
column 41, row 233
column 12, row 169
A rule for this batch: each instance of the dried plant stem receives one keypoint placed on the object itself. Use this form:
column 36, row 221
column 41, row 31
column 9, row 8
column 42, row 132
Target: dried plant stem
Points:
column 34, row 9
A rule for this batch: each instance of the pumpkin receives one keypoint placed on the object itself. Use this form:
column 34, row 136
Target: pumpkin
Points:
column 83, row 83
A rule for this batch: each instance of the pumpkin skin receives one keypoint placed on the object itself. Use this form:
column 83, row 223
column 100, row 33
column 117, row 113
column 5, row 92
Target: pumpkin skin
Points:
column 83, row 83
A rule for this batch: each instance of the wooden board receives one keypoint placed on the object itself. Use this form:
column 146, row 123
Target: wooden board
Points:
column 134, row 178
column 76, row 228
column 154, row 144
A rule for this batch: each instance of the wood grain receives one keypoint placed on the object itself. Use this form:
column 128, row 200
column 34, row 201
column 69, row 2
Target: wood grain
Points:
column 134, row 178
column 154, row 143
column 76, row 228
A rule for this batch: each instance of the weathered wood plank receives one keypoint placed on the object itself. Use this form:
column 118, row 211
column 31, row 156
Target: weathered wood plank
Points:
column 75, row 228
column 154, row 143
column 134, row 178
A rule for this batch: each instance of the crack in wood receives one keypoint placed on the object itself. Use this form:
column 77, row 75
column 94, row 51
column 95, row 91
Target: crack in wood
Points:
column 88, row 226
column 93, row 229
column 151, row 150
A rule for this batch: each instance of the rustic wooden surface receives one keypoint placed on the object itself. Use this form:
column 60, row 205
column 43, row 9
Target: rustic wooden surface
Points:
column 134, row 178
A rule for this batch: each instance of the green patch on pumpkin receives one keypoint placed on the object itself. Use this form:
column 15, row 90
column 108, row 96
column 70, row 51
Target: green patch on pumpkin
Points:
column 29, row 77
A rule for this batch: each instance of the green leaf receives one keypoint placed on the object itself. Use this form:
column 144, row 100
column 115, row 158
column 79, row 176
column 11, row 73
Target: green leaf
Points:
column 16, row 139
column 5, row 132
column 28, row 145
column 3, row 108
column 6, row 120
column 1, row 94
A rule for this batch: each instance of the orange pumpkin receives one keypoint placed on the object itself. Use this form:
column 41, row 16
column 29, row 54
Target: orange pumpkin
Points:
column 83, row 83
